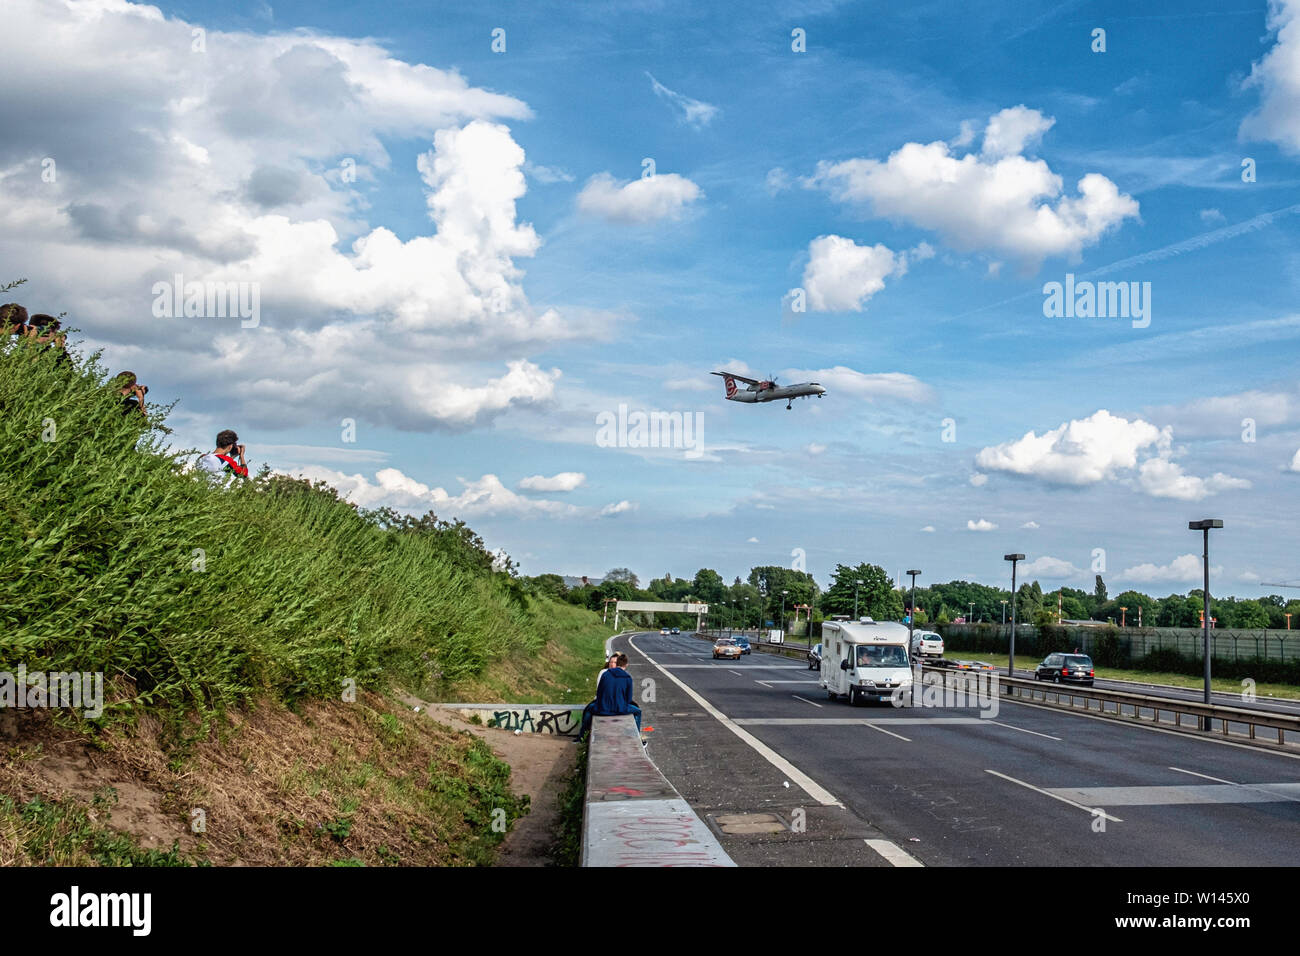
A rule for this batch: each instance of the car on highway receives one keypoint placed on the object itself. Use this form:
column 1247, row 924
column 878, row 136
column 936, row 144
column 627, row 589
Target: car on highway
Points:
column 663, row 630
column 1065, row 668
column 815, row 657
column 726, row 647
column 926, row 644
column 742, row 642
column 677, row 630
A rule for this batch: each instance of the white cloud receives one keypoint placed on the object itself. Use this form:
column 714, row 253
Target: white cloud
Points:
column 547, row 174
column 928, row 529
column 998, row 202
column 981, row 525
column 693, row 112
column 564, row 481
column 485, row 496
column 274, row 142
column 814, row 448
column 618, row 508
column 1049, row 567
column 777, row 180
column 1212, row 216
column 1277, row 77
column 842, row 276
column 1010, row 131
column 1080, row 452
column 1295, row 463
column 1030, row 525
column 1103, row 447
column 869, row 386
column 1184, row 568
column 650, row 199
column 751, row 541
column 1162, row 478
column 979, row 480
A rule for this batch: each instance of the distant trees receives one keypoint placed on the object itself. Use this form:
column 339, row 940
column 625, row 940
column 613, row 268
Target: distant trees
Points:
column 876, row 596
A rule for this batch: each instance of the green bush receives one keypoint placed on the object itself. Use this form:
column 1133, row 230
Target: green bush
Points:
column 115, row 556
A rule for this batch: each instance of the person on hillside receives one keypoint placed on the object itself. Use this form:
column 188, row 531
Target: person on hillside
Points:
column 613, row 697
column 13, row 320
column 45, row 330
column 222, row 462
column 132, row 394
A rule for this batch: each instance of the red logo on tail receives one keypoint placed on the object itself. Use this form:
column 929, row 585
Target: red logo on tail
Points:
column 731, row 385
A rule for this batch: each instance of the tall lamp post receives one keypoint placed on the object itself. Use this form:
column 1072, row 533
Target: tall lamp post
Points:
column 856, row 585
column 783, row 594
column 970, row 619
column 911, row 617
column 1004, row 613
column 1204, row 527
column 1123, row 614
column 1011, row 658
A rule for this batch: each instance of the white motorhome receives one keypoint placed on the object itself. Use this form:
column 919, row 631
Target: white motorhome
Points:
column 865, row 660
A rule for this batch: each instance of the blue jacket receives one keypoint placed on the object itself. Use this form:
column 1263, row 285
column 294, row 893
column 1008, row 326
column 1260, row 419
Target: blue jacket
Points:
column 614, row 695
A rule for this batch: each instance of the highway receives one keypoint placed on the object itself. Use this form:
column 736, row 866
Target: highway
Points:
column 880, row 786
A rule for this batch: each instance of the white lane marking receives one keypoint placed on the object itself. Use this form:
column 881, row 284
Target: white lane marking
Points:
column 805, row 700
column 1023, row 730
column 1213, row 739
column 896, row 855
column 809, row 786
column 1180, row 796
column 753, row 667
column 1264, row 787
column 1097, row 811
column 851, row 721
column 890, row 732
column 804, row 681
column 737, row 673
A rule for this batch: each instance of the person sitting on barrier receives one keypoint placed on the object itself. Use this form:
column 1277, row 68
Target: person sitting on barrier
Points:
column 590, row 710
column 613, row 697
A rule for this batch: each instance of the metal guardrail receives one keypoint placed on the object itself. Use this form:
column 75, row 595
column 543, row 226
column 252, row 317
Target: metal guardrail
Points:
column 1134, row 706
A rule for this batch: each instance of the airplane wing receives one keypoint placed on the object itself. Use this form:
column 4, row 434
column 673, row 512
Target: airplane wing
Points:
column 738, row 378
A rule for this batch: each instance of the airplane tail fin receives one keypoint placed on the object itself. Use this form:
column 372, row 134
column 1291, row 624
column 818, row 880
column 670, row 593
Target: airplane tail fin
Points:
column 730, row 385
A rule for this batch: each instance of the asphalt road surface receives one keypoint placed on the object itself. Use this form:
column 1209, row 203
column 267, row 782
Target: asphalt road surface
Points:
column 789, row 777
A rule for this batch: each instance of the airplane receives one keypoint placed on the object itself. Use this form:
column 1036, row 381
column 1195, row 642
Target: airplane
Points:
column 767, row 391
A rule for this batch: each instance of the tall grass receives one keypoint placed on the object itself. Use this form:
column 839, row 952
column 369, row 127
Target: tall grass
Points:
column 115, row 557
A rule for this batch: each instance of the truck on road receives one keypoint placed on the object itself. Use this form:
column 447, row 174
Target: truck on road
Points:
column 865, row 660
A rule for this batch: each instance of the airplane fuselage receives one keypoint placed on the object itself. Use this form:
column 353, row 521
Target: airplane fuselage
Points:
column 777, row 393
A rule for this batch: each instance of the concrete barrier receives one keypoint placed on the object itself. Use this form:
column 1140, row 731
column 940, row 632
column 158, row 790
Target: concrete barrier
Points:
column 564, row 720
column 632, row 815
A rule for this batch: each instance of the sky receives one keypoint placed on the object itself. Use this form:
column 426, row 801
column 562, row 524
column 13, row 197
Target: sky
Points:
column 464, row 236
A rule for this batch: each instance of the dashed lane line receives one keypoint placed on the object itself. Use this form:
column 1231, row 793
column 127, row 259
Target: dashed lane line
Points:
column 1095, row 811
column 814, row 790
column 895, row 854
column 890, row 732
column 805, row 700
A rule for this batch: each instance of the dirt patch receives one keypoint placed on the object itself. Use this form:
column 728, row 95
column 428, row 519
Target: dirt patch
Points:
column 364, row 783
column 539, row 766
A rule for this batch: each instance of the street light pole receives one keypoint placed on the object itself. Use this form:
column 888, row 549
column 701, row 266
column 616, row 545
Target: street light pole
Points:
column 911, row 617
column 1204, row 527
column 1004, row 613
column 783, row 594
column 856, row 585
column 1011, row 658
column 970, row 619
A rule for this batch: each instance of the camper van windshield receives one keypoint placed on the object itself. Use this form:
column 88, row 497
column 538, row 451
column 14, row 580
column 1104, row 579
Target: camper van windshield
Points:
column 881, row 655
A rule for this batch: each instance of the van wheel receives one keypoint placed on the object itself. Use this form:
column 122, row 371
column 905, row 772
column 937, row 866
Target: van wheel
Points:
column 853, row 697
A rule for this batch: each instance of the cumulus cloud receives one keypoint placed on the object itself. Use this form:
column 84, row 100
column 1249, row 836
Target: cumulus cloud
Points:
column 650, row 199
column 928, row 529
column 869, row 386
column 997, row 201
column 693, row 112
column 1277, row 77
column 777, row 180
column 482, row 497
column 1030, row 525
column 619, row 508
column 979, row 480
column 1049, row 567
column 842, row 275
column 270, row 142
column 814, row 448
column 1212, row 217
column 751, row 541
column 1162, row 478
column 1295, row 463
column 981, row 525
column 1182, row 569
column 564, row 481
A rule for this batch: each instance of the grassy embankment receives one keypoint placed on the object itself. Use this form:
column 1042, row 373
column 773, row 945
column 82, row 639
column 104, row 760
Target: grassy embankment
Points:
column 216, row 614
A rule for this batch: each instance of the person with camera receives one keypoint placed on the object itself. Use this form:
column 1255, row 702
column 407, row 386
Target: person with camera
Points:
column 222, row 461
column 133, row 394
column 13, row 320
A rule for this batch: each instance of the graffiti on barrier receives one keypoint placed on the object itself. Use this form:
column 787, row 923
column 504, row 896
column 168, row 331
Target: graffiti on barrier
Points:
column 562, row 722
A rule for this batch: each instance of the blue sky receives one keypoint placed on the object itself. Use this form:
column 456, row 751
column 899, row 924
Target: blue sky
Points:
column 919, row 172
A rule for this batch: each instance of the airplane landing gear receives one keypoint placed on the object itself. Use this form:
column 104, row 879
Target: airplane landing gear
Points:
column 787, row 407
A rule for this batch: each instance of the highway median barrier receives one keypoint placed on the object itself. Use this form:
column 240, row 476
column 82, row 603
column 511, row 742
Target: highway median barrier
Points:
column 632, row 815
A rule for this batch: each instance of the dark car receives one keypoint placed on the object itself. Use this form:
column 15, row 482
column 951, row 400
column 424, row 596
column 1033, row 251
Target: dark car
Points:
column 677, row 630
column 815, row 657
column 1065, row 668
column 742, row 642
